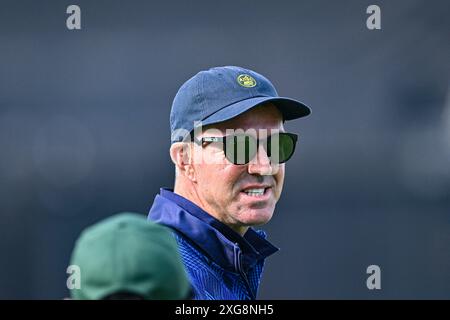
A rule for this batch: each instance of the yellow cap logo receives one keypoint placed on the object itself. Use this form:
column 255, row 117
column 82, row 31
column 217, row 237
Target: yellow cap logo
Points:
column 246, row 81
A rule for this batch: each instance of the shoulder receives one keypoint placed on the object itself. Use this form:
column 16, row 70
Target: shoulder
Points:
column 189, row 251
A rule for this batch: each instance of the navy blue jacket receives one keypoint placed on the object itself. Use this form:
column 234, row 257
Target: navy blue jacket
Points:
column 221, row 264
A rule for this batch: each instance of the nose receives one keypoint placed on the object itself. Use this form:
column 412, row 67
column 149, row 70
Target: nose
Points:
column 261, row 165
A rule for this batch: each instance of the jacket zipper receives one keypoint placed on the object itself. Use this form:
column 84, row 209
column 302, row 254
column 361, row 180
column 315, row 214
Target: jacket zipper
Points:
column 238, row 262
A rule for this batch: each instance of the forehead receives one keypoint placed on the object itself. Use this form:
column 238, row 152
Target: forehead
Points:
column 264, row 116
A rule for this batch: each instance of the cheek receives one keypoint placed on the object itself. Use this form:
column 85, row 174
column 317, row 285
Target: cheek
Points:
column 217, row 179
column 279, row 178
column 228, row 178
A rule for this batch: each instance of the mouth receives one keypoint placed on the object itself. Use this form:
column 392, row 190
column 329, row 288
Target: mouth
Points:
column 259, row 192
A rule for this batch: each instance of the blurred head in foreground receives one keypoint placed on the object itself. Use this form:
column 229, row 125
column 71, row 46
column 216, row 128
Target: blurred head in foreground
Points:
column 127, row 257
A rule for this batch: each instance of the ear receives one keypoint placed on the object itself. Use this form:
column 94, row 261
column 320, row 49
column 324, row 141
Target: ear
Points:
column 181, row 155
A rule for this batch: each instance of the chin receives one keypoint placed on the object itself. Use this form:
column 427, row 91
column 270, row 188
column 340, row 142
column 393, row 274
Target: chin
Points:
column 257, row 217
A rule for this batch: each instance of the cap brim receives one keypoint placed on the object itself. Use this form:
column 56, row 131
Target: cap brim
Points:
column 289, row 108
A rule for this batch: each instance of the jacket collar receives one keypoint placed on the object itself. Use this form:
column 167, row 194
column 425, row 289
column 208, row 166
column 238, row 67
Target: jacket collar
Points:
column 217, row 240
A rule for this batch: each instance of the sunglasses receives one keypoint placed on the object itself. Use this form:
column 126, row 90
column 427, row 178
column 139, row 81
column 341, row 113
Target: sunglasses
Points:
column 240, row 149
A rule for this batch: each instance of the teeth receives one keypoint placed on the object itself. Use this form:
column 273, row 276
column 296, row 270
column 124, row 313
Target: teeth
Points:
column 255, row 192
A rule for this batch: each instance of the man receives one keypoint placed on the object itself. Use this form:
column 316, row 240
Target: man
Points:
column 126, row 257
column 229, row 148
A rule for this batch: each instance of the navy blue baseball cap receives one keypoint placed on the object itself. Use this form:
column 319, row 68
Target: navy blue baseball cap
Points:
column 222, row 93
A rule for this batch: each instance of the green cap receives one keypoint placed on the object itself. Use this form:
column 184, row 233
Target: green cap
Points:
column 128, row 253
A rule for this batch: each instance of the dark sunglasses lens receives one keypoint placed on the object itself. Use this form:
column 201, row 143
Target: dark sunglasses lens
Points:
column 285, row 144
column 240, row 149
column 287, row 147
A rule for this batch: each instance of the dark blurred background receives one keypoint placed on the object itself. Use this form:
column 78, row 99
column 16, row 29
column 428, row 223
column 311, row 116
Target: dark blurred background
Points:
column 84, row 133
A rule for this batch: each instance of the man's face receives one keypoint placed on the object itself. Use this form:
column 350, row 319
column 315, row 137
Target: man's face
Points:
column 222, row 188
